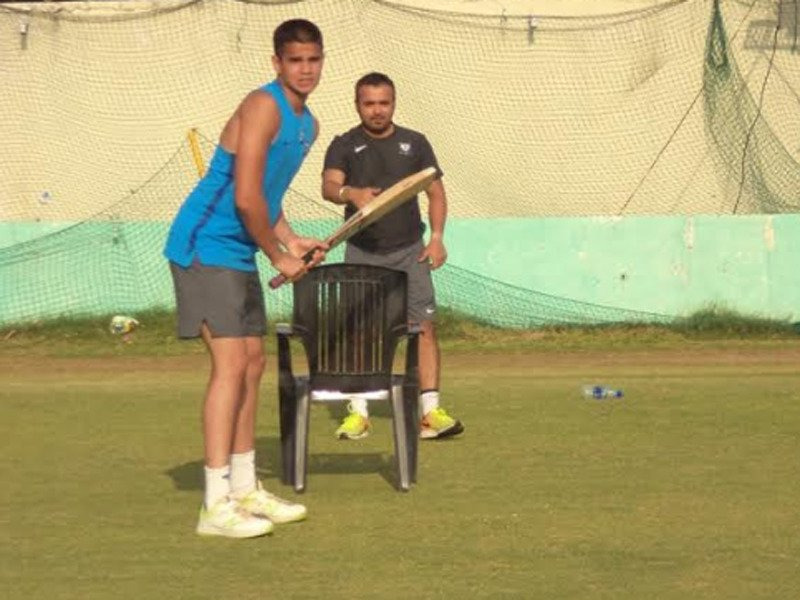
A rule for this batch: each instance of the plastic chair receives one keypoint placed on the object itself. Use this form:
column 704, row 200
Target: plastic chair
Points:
column 350, row 319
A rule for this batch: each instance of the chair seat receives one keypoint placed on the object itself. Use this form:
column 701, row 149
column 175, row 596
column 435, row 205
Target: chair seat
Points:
column 339, row 396
column 336, row 396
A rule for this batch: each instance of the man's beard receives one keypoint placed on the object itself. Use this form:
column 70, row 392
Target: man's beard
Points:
column 378, row 130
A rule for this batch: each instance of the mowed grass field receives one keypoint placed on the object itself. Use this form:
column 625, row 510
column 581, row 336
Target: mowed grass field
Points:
column 689, row 487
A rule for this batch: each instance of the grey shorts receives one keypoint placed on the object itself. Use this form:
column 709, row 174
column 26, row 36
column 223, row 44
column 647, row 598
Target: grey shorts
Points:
column 421, row 299
column 230, row 302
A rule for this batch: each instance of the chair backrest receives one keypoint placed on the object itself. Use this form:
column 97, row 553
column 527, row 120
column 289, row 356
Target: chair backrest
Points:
column 350, row 318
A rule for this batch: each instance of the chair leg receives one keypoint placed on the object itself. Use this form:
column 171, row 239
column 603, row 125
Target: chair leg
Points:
column 401, row 450
column 287, row 407
column 410, row 404
column 301, row 437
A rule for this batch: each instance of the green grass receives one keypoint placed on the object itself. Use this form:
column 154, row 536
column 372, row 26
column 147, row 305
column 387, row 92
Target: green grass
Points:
column 686, row 488
column 714, row 326
column 717, row 320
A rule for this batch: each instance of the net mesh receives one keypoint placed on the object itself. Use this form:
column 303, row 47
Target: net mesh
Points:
column 682, row 107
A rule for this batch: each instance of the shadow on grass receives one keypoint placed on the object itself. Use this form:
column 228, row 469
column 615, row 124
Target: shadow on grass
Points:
column 189, row 476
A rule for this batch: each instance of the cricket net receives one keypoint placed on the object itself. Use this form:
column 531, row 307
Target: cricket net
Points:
column 680, row 107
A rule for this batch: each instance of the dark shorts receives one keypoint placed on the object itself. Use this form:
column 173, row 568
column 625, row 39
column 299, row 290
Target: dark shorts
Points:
column 230, row 302
column 421, row 299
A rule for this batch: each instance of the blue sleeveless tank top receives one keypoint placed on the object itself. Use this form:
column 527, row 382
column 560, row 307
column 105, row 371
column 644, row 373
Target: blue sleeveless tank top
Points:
column 208, row 227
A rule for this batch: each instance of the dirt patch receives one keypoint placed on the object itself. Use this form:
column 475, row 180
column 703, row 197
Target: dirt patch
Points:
column 780, row 359
column 38, row 366
column 700, row 357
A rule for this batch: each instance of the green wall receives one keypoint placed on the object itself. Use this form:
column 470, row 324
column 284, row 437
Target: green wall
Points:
column 671, row 265
column 668, row 265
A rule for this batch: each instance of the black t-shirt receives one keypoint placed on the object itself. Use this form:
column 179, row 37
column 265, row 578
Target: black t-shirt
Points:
column 380, row 163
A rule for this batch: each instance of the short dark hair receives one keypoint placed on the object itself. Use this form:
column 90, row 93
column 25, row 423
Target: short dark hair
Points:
column 374, row 78
column 295, row 30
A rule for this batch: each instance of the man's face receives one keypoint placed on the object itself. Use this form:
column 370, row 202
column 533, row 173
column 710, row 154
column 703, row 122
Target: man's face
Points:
column 375, row 106
column 299, row 66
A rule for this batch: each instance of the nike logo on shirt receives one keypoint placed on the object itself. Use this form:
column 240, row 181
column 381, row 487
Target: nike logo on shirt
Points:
column 359, row 148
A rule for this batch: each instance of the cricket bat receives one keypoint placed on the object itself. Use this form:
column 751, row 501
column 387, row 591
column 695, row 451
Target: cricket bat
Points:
column 383, row 203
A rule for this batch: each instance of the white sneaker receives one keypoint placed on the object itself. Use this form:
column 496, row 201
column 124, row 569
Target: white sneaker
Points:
column 260, row 503
column 227, row 519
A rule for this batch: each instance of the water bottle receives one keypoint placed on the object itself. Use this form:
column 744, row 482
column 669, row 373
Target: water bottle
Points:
column 598, row 392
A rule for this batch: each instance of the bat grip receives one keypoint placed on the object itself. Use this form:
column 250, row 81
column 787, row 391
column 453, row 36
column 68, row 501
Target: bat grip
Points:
column 277, row 281
column 280, row 278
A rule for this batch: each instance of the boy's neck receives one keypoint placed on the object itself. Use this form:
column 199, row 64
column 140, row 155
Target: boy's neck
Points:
column 296, row 101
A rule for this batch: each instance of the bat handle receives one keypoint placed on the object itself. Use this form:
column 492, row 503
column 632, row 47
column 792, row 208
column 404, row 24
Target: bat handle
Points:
column 277, row 281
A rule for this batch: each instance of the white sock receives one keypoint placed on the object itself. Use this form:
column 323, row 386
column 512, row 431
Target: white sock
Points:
column 358, row 405
column 218, row 484
column 428, row 400
column 243, row 473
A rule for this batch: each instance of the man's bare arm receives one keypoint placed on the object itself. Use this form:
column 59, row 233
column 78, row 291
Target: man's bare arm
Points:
column 334, row 190
column 259, row 123
column 296, row 244
column 437, row 207
column 435, row 251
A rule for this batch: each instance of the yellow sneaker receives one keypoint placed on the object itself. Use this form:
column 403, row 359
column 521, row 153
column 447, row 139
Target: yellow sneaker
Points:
column 437, row 424
column 353, row 427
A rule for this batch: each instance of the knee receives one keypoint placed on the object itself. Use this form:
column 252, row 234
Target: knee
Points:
column 428, row 329
column 233, row 367
column 256, row 363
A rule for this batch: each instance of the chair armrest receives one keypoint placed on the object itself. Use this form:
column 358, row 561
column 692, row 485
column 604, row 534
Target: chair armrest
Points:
column 284, row 329
column 412, row 354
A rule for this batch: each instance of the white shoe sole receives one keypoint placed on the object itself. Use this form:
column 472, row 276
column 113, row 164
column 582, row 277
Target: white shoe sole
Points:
column 285, row 520
column 432, row 434
column 347, row 436
column 210, row 530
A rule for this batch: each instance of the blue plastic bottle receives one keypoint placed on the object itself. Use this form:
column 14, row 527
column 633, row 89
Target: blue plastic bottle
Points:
column 598, row 392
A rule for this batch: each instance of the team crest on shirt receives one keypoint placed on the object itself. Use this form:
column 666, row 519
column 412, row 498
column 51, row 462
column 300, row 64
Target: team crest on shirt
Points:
column 405, row 148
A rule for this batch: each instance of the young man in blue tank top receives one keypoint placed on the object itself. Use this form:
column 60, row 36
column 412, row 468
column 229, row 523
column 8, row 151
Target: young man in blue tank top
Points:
column 234, row 211
column 361, row 162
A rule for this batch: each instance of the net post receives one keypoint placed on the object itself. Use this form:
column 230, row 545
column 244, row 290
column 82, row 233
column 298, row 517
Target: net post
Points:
column 196, row 155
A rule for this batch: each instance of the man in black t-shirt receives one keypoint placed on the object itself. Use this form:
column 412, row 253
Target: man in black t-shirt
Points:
column 358, row 165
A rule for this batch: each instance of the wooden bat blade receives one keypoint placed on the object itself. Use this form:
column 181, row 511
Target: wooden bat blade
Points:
column 385, row 202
